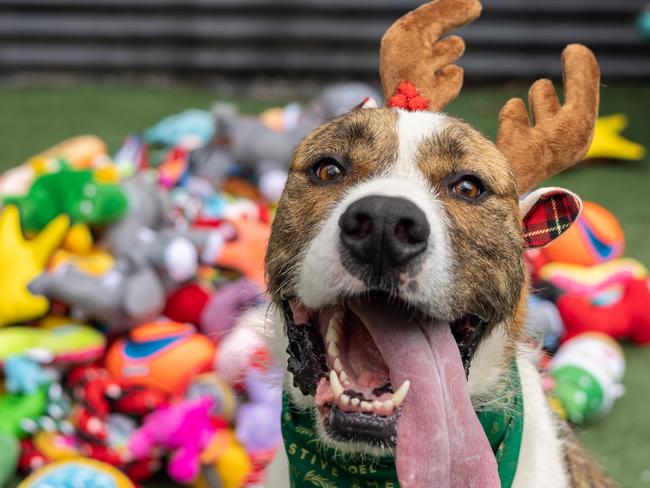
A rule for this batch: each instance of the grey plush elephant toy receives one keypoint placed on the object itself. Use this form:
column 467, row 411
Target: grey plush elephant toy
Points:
column 265, row 152
column 129, row 294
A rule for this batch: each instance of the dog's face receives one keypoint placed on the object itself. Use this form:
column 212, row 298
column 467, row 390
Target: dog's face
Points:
column 390, row 220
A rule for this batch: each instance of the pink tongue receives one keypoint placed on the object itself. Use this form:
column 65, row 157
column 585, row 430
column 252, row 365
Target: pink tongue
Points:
column 440, row 441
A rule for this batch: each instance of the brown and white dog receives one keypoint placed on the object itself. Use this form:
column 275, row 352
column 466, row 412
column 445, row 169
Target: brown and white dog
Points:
column 399, row 241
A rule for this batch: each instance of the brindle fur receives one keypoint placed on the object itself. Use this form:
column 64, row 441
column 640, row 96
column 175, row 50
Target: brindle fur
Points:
column 583, row 471
column 489, row 276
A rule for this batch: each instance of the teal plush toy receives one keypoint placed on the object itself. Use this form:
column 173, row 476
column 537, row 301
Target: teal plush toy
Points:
column 76, row 193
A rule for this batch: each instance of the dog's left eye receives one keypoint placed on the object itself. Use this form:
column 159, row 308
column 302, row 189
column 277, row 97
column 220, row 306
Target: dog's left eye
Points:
column 468, row 187
column 328, row 170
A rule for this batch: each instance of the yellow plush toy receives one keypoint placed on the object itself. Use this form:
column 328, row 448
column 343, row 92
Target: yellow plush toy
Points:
column 21, row 261
column 608, row 143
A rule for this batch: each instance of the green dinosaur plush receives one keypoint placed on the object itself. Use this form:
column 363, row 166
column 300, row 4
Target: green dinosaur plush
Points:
column 75, row 193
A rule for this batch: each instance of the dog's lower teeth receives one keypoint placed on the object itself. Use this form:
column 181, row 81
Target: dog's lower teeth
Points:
column 345, row 400
column 355, row 402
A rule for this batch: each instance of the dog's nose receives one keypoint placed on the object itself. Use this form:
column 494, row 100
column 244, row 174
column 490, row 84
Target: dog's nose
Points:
column 384, row 231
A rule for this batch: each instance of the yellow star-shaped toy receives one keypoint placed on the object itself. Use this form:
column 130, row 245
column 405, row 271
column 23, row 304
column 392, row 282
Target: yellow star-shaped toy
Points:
column 608, row 143
column 21, row 261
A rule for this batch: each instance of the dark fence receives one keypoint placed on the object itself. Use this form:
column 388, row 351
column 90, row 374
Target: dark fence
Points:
column 302, row 38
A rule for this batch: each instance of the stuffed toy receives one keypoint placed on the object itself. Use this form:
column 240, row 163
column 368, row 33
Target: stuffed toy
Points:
column 22, row 375
column 146, row 234
column 81, row 152
column 128, row 294
column 79, row 240
column 246, row 252
column 104, row 417
column 224, row 400
column 241, row 347
column 21, row 261
column 18, row 408
column 625, row 318
column 77, row 473
column 596, row 237
column 184, row 429
column 587, row 372
column 191, row 129
column 164, row 355
column 544, row 322
column 226, row 305
column 265, row 151
column 77, row 194
column 62, row 344
column 608, row 143
column 591, row 280
column 187, row 304
column 225, row 459
column 10, row 449
column 95, row 262
column 258, row 420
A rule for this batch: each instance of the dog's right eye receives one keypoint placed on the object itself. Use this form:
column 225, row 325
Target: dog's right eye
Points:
column 327, row 170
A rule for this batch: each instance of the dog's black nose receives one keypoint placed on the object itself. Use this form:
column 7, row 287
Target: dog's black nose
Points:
column 384, row 232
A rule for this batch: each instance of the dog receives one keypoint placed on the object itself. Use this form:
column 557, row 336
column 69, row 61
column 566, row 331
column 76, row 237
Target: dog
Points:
column 395, row 268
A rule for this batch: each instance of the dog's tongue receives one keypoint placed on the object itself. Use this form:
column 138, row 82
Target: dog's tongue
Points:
column 440, row 441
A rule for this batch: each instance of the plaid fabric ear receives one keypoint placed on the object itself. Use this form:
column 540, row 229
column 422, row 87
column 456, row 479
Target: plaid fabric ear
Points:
column 551, row 214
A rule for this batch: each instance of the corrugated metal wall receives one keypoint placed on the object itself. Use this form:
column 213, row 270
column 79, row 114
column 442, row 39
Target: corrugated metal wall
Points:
column 302, row 38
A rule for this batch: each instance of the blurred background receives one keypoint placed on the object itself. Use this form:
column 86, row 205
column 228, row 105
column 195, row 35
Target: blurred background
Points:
column 118, row 69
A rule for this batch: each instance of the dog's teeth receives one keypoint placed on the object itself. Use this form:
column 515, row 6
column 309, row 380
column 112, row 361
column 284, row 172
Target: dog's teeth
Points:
column 377, row 405
column 335, row 384
column 338, row 367
column 355, row 402
column 366, row 406
column 398, row 396
column 345, row 400
column 338, row 316
column 332, row 350
column 332, row 334
column 342, row 374
column 389, row 405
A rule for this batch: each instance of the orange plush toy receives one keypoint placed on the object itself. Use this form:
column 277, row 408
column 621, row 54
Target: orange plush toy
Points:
column 245, row 253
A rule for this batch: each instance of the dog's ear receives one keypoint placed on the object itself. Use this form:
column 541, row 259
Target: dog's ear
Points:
column 547, row 213
column 367, row 102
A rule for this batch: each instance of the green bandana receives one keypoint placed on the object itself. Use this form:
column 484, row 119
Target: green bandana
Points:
column 313, row 464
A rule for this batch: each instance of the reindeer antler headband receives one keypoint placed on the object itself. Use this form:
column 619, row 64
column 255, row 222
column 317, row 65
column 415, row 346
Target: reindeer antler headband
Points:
column 418, row 73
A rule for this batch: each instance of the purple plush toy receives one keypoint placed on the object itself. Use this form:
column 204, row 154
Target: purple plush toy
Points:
column 258, row 421
column 184, row 429
column 227, row 305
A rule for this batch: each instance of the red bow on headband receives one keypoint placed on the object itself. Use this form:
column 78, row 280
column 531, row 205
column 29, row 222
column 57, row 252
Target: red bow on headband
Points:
column 407, row 97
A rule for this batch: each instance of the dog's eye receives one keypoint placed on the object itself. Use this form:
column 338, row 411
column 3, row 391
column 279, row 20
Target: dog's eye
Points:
column 328, row 170
column 468, row 187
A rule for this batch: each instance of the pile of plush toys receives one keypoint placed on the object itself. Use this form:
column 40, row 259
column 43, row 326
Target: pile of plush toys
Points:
column 130, row 285
column 587, row 297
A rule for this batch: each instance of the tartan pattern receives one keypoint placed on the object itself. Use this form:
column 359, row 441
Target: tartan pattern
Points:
column 551, row 215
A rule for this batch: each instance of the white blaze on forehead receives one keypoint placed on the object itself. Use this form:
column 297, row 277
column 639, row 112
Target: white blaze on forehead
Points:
column 412, row 129
column 322, row 277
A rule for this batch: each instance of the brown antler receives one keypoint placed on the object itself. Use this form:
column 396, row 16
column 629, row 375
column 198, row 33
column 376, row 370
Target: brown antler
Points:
column 559, row 136
column 411, row 51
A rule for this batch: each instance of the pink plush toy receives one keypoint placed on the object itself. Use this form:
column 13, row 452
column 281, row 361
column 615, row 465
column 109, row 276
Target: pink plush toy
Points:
column 185, row 429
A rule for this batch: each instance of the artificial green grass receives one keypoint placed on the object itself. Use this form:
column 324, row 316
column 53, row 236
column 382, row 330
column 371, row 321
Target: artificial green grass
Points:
column 32, row 119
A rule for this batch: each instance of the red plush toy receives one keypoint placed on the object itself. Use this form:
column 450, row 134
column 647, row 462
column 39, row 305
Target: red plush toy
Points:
column 627, row 318
column 186, row 304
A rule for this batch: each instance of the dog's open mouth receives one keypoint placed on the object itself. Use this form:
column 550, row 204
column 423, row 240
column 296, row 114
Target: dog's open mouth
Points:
column 335, row 358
